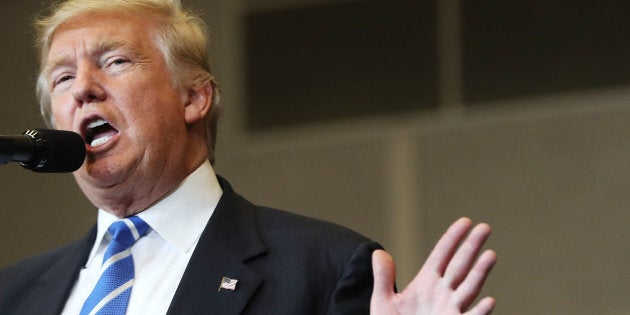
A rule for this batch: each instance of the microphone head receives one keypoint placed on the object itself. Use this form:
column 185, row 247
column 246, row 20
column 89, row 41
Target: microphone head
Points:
column 56, row 151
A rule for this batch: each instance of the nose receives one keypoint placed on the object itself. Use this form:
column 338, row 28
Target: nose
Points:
column 87, row 87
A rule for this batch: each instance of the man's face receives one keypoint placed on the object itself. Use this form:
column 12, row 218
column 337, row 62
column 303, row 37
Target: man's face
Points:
column 109, row 82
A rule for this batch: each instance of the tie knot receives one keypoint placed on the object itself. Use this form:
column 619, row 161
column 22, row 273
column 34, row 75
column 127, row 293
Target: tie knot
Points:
column 128, row 230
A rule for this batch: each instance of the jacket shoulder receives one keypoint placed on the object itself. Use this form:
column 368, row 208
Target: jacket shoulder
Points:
column 21, row 278
column 34, row 265
column 281, row 222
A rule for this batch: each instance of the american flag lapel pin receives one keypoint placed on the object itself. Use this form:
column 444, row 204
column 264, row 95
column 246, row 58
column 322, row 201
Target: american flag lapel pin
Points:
column 228, row 284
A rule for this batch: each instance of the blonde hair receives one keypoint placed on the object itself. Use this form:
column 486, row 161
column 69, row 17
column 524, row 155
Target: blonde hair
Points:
column 181, row 36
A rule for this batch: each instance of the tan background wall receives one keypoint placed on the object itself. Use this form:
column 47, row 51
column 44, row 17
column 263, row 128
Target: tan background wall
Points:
column 550, row 173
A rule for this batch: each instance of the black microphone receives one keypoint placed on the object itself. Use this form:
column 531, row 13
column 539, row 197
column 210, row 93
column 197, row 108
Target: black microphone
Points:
column 44, row 150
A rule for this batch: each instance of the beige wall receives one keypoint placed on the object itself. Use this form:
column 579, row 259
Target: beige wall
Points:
column 549, row 173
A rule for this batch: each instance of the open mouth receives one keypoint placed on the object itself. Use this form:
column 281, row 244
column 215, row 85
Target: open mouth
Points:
column 98, row 132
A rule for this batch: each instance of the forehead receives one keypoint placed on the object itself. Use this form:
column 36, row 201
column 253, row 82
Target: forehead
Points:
column 94, row 33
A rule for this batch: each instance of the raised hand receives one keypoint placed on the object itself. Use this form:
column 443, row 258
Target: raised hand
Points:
column 449, row 281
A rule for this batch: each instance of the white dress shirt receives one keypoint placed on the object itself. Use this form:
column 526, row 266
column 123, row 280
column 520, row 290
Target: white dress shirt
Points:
column 160, row 257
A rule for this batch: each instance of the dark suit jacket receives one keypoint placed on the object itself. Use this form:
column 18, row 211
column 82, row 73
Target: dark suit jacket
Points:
column 284, row 264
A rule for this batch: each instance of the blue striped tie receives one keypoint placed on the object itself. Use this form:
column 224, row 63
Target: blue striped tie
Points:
column 112, row 291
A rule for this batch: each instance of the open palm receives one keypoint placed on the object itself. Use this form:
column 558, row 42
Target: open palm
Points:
column 449, row 281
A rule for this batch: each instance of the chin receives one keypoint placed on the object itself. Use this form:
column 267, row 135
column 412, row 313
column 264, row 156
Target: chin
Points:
column 98, row 175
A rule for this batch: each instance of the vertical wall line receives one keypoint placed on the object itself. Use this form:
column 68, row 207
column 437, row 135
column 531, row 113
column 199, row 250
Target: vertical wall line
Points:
column 404, row 219
column 450, row 71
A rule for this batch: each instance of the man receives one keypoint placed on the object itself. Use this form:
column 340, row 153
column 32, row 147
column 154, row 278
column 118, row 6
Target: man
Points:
column 132, row 77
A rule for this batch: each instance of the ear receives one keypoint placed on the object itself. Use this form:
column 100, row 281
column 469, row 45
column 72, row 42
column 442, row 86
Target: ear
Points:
column 198, row 103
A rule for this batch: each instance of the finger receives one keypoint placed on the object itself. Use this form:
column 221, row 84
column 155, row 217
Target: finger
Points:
column 484, row 307
column 384, row 271
column 472, row 285
column 446, row 246
column 465, row 256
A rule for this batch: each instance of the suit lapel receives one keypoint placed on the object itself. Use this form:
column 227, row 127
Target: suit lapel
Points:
column 56, row 283
column 229, row 240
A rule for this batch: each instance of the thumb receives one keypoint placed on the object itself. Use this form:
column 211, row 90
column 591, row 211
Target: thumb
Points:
column 384, row 271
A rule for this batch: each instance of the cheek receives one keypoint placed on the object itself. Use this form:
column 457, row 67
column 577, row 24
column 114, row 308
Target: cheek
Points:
column 152, row 109
column 62, row 115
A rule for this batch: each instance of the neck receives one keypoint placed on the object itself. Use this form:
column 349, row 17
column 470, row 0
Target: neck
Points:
column 141, row 191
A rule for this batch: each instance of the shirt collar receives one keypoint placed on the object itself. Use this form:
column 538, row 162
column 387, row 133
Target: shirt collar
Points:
column 179, row 217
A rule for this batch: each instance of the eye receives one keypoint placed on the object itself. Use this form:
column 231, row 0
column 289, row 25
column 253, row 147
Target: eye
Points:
column 63, row 78
column 116, row 61
column 117, row 64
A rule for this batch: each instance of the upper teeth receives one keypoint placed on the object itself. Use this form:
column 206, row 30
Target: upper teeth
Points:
column 96, row 123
